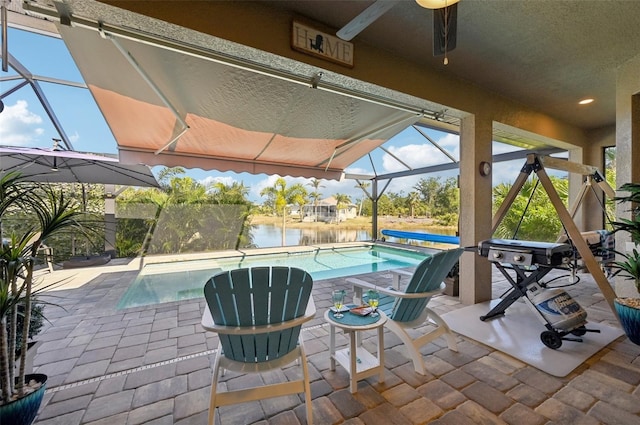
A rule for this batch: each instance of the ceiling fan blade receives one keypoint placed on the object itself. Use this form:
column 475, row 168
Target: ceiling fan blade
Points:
column 445, row 26
column 364, row 19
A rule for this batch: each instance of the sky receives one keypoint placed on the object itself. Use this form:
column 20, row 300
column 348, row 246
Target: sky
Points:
column 24, row 122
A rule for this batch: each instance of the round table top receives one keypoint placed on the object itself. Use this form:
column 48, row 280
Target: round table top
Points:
column 354, row 322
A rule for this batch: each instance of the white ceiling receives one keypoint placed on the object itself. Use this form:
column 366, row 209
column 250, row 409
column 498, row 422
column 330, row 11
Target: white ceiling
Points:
column 546, row 54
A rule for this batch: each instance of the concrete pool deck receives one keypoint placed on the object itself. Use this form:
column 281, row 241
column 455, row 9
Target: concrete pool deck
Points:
column 151, row 365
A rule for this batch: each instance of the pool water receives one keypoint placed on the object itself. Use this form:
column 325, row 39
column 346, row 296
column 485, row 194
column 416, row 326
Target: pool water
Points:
column 165, row 282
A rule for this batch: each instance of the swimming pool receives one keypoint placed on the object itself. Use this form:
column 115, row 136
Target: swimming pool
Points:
column 174, row 281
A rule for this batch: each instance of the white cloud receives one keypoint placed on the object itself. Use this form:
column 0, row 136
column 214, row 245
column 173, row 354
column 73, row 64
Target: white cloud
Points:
column 358, row 170
column 506, row 172
column 450, row 142
column 416, row 155
column 499, row 148
column 19, row 126
column 421, row 155
column 211, row 180
column 74, row 137
column 405, row 184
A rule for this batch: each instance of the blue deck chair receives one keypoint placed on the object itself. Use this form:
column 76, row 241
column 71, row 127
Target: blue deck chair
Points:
column 408, row 309
column 258, row 313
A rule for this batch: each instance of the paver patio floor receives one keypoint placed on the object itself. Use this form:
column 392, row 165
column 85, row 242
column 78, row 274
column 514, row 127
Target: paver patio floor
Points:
column 151, row 365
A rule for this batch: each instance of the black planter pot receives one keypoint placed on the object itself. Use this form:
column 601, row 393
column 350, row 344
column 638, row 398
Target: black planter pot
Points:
column 630, row 320
column 23, row 411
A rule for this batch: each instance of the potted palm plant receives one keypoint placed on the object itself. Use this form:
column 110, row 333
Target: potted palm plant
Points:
column 628, row 262
column 35, row 326
column 47, row 212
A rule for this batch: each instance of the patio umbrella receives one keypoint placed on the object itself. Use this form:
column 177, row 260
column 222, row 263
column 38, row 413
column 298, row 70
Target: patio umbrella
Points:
column 59, row 166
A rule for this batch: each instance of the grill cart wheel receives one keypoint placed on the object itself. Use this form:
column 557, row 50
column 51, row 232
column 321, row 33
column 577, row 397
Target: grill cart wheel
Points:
column 579, row 331
column 551, row 339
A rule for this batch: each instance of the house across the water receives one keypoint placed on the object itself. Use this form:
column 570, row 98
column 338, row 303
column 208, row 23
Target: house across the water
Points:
column 327, row 210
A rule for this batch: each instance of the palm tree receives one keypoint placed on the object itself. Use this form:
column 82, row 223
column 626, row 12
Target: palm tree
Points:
column 179, row 202
column 413, row 199
column 342, row 200
column 193, row 217
column 428, row 189
column 167, row 173
column 530, row 216
column 364, row 186
column 280, row 196
column 233, row 208
column 315, row 195
column 610, row 176
column 234, row 193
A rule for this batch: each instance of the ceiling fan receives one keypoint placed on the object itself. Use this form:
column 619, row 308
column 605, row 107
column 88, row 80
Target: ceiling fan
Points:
column 445, row 18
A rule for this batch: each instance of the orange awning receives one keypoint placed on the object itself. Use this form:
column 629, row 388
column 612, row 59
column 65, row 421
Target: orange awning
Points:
column 173, row 108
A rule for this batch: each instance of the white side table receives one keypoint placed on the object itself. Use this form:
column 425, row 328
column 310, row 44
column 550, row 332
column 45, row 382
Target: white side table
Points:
column 358, row 362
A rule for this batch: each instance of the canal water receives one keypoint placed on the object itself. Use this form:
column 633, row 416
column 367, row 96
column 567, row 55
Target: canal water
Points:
column 269, row 235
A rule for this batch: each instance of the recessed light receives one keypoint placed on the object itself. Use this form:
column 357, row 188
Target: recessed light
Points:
column 586, row 101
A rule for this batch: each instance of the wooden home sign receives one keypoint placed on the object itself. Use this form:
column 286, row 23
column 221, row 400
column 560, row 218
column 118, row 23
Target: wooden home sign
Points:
column 320, row 44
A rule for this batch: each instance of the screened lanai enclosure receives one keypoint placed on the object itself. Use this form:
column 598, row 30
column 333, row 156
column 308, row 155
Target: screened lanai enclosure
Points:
column 385, row 133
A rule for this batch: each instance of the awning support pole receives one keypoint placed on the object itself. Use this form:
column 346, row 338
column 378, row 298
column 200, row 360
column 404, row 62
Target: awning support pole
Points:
column 437, row 146
column 344, row 147
column 151, row 84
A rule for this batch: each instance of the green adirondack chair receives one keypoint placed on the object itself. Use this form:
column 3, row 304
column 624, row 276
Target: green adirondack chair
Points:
column 407, row 309
column 258, row 314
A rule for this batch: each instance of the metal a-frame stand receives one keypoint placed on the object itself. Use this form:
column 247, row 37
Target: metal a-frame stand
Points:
column 537, row 164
